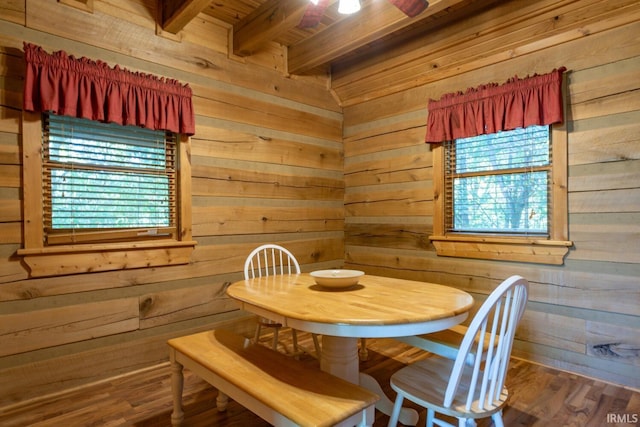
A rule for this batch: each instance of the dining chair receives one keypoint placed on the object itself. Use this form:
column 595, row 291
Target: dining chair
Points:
column 272, row 259
column 457, row 388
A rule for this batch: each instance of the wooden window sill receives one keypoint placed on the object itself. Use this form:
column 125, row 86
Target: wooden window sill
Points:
column 74, row 259
column 532, row 250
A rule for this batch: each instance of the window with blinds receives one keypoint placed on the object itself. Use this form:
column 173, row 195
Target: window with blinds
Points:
column 499, row 183
column 106, row 182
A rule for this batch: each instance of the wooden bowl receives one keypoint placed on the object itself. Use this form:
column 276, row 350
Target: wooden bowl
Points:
column 337, row 278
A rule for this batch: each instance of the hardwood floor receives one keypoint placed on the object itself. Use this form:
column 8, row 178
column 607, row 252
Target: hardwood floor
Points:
column 539, row 397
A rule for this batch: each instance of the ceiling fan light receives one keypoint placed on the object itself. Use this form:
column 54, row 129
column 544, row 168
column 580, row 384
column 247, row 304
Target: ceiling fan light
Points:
column 347, row 7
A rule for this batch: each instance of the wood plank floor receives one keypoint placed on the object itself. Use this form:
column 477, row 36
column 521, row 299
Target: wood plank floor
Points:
column 539, row 397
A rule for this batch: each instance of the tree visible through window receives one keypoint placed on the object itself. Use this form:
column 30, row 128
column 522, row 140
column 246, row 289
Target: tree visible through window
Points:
column 499, row 183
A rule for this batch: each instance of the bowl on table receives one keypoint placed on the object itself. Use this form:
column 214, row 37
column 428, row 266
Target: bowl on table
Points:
column 337, row 278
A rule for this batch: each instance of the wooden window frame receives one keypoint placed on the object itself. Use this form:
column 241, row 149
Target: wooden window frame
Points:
column 59, row 260
column 520, row 249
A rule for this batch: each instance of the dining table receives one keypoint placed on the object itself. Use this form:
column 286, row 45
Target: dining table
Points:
column 374, row 307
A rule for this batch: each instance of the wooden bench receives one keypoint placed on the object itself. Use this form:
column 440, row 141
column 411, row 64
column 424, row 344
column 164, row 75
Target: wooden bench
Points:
column 281, row 390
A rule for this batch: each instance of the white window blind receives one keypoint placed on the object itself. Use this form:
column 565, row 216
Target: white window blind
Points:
column 499, row 183
column 106, row 181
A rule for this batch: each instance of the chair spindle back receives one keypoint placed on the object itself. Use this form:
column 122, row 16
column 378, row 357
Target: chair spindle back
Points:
column 270, row 259
column 499, row 315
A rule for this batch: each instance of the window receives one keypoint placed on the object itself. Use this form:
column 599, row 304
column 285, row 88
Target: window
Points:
column 102, row 196
column 500, row 170
column 106, row 182
column 499, row 183
column 503, row 196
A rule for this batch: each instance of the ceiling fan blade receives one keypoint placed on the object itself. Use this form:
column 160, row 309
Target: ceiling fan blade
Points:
column 411, row 8
column 313, row 14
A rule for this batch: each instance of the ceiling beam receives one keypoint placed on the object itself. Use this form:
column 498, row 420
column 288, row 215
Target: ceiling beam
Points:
column 266, row 23
column 176, row 14
column 377, row 20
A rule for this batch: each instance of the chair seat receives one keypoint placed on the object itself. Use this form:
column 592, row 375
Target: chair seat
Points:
column 471, row 385
column 426, row 381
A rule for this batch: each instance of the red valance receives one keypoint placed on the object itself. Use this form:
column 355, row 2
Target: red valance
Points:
column 92, row 90
column 492, row 108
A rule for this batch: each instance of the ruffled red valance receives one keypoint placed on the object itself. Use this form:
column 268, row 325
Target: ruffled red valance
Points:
column 92, row 90
column 492, row 108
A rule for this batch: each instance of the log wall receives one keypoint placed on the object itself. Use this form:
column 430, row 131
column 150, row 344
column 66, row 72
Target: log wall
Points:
column 583, row 316
column 275, row 159
column 267, row 163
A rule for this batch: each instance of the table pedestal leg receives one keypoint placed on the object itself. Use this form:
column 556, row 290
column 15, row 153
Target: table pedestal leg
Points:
column 408, row 416
column 339, row 356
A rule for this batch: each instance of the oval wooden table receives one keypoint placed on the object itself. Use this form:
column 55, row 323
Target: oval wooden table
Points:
column 377, row 307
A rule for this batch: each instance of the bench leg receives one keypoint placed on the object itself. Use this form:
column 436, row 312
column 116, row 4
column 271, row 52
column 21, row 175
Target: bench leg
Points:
column 177, row 383
column 222, row 401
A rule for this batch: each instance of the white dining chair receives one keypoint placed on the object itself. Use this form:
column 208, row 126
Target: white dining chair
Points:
column 463, row 390
column 271, row 259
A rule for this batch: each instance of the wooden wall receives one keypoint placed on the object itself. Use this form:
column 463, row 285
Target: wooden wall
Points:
column 271, row 161
column 267, row 162
column 583, row 316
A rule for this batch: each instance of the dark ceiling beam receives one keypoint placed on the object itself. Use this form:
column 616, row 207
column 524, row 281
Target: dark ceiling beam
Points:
column 176, row 14
column 377, row 20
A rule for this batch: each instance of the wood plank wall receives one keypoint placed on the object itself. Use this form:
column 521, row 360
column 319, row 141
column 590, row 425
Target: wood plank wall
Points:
column 267, row 166
column 583, row 316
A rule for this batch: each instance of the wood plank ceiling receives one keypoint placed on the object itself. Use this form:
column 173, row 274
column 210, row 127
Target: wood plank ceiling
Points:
column 335, row 41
